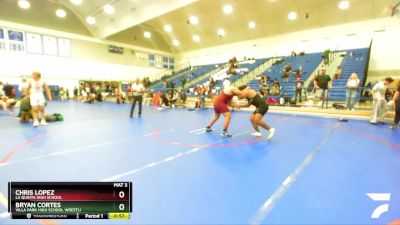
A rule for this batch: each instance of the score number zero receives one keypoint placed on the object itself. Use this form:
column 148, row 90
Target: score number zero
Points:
column 121, row 194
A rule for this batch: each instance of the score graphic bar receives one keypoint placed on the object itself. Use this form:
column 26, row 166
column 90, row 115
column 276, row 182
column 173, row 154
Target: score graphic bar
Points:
column 70, row 200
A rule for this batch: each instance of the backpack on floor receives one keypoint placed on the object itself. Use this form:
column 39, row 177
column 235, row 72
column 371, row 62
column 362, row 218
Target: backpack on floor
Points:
column 51, row 118
column 59, row 117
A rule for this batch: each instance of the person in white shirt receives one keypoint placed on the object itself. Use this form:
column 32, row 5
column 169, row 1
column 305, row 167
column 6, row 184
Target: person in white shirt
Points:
column 353, row 83
column 137, row 90
column 34, row 91
column 379, row 106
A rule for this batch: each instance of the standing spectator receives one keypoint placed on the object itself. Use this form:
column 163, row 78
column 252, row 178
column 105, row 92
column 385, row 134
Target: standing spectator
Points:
column 138, row 91
column 338, row 73
column 35, row 91
column 76, row 93
column 353, row 83
column 299, row 85
column 286, row 72
column 183, row 81
column 379, row 106
column 396, row 99
column 322, row 82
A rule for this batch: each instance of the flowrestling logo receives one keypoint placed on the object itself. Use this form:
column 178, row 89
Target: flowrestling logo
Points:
column 380, row 197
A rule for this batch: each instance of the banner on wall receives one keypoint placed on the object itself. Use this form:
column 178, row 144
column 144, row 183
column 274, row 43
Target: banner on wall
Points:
column 50, row 45
column 1, row 33
column 16, row 41
column 34, row 43
column 64, row 47
column 15, row 36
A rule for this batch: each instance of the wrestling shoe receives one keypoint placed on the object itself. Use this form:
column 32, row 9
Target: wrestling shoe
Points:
column 271, row 133
column 209, row 129
column 225, row 134
column 257, row 134
column 35, row 123
column 394, row 126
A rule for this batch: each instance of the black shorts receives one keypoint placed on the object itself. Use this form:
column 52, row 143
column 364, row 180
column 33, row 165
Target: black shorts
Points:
column 260, row 104
column 262, row 109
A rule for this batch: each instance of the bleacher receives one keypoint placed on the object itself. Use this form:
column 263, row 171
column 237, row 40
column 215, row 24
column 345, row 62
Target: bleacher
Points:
column 180, row 73
column 355, row 61
column 189, row 74
column 308, row 62
column 249, row 67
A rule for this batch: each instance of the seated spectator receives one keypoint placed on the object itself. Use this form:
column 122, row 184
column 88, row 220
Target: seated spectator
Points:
column 182, row 97
column 26, row 110
column 338, row 73
column 275, row 90
column 293, row 54
column 164, row 101
column 9, row 91
column 7, row 104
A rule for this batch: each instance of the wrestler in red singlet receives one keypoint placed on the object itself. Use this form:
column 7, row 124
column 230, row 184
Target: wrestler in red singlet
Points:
column 221, row 103
column 221, row 107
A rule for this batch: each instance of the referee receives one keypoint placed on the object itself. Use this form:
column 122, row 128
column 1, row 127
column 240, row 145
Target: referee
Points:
column 137, row 90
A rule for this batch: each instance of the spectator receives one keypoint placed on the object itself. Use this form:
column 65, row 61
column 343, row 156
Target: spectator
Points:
column 293, row 54
column 379, row 106
column 353, row 83
column 76, row 93
column 22, row 87
column 286, row 71
column 396, row 99
column 338, row 73
column 1, row 89
column 226, row 83
column 311, row 86
column 8, row 91
column 6, row 104
column 322, row 82
column 275, row 90
column 299, row 85
column 183, row 81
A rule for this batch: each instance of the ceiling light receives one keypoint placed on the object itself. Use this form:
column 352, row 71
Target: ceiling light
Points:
column 168, row 28
column 252, row 25
column 228, row 9
column 90, row 20
column 24, row 4
column 147, row 34
column 176, row 42
column 61, row 13
column 292, row 16
column 221, row 32
column 109, row 9
column 196, row 38
column 193, row 20
column 343, row 5
column 76, row 2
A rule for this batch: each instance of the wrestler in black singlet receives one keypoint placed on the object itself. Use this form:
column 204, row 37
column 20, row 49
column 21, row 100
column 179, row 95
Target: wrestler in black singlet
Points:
column 260, row 104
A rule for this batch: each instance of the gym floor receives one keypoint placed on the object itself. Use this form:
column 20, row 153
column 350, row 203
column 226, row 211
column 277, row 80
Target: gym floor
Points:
column 314, row 171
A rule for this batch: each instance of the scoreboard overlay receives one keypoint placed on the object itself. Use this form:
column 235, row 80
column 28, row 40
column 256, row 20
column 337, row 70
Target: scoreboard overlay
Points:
column 70, row 200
